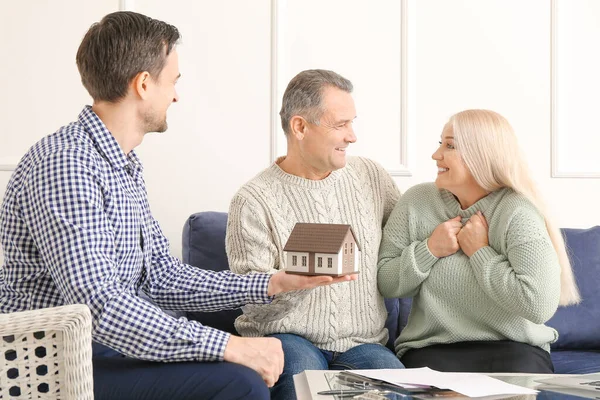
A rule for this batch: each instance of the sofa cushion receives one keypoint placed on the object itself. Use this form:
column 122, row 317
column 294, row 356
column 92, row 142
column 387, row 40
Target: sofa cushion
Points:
column 204, row 247
column 204, row 240
column 391, row 323
column 579, row 326
column 575, row 361
column 404, row 311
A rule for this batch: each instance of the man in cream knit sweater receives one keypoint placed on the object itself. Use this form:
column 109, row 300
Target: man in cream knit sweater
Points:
column 339, row 326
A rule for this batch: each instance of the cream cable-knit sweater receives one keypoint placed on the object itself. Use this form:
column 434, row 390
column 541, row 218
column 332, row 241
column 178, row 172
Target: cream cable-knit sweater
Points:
column 505, row 291
column 261, row 217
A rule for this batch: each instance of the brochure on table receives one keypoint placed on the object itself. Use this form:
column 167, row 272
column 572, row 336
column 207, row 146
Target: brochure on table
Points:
column 468, row 384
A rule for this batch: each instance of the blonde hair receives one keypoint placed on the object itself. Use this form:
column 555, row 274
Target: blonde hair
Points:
column 489, row 148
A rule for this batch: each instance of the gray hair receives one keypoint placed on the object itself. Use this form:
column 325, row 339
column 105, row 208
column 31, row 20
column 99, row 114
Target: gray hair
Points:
column 303, row 95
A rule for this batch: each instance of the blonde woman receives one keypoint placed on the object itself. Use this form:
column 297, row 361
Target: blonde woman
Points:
column 484, row 264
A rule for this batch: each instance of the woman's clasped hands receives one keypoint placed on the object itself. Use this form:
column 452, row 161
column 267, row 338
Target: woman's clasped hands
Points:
column 450, row 236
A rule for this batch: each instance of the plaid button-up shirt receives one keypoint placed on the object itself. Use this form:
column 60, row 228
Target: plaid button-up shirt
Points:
column 76, row 227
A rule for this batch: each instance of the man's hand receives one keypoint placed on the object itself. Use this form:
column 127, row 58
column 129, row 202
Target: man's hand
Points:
column 284, row 282
column 474, row 235
column 264, row 355
column 443, row 241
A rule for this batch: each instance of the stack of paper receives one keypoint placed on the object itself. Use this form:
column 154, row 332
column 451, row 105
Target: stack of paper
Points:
column 586, row 385
column 468, row 384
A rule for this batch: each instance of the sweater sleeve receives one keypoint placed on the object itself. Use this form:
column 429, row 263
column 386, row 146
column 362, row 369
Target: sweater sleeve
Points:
column 525, row 280
column 403, row 263
column 251, row 249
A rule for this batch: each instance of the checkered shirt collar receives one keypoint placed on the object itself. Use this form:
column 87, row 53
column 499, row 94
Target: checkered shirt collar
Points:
column 105, row 142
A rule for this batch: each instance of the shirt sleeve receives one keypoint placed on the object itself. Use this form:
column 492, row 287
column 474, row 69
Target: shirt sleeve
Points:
column 526, row 280
column 181, row 287
column 64, row 208
column 403, row 263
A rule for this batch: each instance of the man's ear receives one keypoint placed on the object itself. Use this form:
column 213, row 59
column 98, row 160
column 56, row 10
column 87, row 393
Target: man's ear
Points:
column 298, row 126
column 140, row 83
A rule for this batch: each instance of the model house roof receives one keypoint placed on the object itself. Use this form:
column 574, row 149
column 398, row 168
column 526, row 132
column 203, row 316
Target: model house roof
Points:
column 318, row 238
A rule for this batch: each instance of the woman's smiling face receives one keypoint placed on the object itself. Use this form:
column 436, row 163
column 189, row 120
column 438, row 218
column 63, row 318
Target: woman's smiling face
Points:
column 453, row 175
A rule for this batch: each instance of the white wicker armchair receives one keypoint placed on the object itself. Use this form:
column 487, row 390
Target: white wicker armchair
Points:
column 47, row 354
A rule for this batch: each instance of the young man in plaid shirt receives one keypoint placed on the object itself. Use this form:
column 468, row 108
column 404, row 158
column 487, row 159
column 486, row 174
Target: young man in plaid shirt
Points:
column 76, row 227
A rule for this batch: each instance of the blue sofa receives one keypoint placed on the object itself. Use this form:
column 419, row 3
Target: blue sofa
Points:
column 577, row 350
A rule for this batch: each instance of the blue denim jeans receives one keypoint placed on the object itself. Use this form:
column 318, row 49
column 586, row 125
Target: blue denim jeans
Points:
column 300, row 355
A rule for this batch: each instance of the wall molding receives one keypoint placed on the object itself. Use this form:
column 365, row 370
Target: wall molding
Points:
column 554, row 156
column 404, row 166
column 275, row 43
column 126, row 5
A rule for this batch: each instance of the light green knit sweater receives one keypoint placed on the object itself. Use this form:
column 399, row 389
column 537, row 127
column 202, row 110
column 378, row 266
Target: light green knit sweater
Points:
column 261, row 217
column 505, row 291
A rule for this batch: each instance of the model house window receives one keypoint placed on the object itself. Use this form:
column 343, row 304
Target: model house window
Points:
column 294, row 261
column 329, row 262
column 351, row 247
column 320, row 262
column 345, row 248
column 304, row 261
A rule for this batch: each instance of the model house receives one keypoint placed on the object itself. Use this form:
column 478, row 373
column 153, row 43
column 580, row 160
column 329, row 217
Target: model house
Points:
column 327, row 249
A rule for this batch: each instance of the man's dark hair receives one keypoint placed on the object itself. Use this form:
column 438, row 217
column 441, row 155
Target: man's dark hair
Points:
column 119, row 47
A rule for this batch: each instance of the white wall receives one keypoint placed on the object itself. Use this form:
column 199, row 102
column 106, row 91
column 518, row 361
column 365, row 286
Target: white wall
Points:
column 460, row 54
